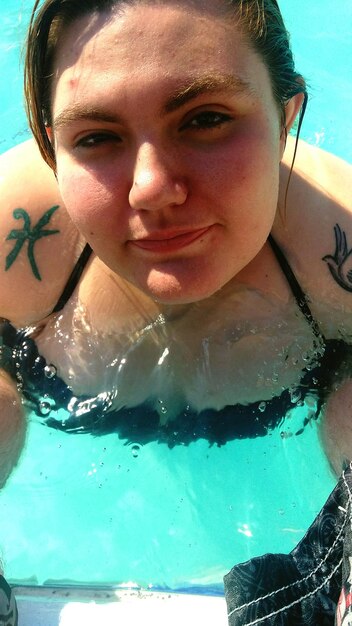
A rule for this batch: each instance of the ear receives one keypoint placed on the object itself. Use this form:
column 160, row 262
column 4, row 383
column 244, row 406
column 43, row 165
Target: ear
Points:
column 292, row 109
column 49, row 132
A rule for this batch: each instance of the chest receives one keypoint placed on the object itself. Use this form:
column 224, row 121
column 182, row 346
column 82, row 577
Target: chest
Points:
column 244, row 348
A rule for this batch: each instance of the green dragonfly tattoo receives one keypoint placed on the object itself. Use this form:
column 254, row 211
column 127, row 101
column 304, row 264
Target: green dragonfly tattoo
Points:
column 31, row 235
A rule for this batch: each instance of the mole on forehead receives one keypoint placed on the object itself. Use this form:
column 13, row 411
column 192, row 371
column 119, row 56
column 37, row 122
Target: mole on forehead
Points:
column 187, row 91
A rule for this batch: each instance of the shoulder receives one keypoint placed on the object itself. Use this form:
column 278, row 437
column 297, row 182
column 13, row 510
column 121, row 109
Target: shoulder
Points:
column 315, row 229
column 38, row 242
column 321, row 170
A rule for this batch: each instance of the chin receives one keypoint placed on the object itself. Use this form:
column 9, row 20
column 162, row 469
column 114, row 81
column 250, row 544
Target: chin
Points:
column 167, row 289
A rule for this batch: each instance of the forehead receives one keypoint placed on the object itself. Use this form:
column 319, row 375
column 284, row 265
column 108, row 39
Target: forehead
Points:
column 146, row 42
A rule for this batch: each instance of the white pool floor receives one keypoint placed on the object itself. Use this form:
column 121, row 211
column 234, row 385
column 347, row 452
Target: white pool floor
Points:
column 49, row 606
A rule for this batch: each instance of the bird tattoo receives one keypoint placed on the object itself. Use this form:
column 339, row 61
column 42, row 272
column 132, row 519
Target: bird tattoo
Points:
column 340, row 264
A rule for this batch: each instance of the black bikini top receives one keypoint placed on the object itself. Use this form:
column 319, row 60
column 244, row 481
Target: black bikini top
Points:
column 295, row 287
column 47, row 394
column 74, row 278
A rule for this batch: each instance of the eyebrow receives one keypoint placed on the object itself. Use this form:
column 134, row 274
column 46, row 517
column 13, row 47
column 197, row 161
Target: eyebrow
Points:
column 212, row 83
column 79, row 111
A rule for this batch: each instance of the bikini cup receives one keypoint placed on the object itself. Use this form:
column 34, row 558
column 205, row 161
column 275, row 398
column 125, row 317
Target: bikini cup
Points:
column 46, row 393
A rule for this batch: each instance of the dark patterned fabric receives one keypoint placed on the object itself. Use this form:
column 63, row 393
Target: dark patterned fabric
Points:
column 301, row 588
column 344, row 606
column 8, row 608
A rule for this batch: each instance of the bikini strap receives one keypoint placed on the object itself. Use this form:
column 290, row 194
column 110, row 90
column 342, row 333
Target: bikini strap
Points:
column 73, row 278
column 295, row 287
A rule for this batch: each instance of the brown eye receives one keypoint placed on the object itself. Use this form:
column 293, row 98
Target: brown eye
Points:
column 206, row 120
column 96, row 139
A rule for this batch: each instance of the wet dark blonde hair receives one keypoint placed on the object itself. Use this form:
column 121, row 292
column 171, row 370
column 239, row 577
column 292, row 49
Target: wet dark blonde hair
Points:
column 260, row 20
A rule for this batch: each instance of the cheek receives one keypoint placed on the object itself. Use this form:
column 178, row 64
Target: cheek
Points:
column 90, row 205
column 247, row 171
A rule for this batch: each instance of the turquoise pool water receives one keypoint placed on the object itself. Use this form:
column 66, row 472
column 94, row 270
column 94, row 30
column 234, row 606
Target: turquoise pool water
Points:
column 96, row 510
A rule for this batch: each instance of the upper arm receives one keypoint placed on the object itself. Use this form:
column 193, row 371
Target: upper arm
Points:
column 37, row 239
column 12, row 426
column 317, row 217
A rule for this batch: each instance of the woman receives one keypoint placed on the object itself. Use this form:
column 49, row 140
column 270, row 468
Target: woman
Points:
column 168, row 187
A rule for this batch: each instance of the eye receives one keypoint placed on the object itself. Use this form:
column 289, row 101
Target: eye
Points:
column 96, row 139
column 206, row 120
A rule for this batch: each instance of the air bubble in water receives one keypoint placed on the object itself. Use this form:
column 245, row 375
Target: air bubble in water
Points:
column 163, row 408
column 44, row 407
column 50, row 371
column 295, row 396
column 135, row 449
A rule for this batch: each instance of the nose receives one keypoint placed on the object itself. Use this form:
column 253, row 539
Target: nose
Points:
column 156, row 184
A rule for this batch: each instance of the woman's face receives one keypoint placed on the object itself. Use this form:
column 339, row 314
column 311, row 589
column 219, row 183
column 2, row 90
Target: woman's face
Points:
column 167, row 140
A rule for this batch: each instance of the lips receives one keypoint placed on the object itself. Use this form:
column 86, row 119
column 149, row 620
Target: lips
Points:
column 168, row 242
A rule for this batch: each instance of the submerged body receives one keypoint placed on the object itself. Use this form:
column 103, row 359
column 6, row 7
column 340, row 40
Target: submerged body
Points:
column 247, row 344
